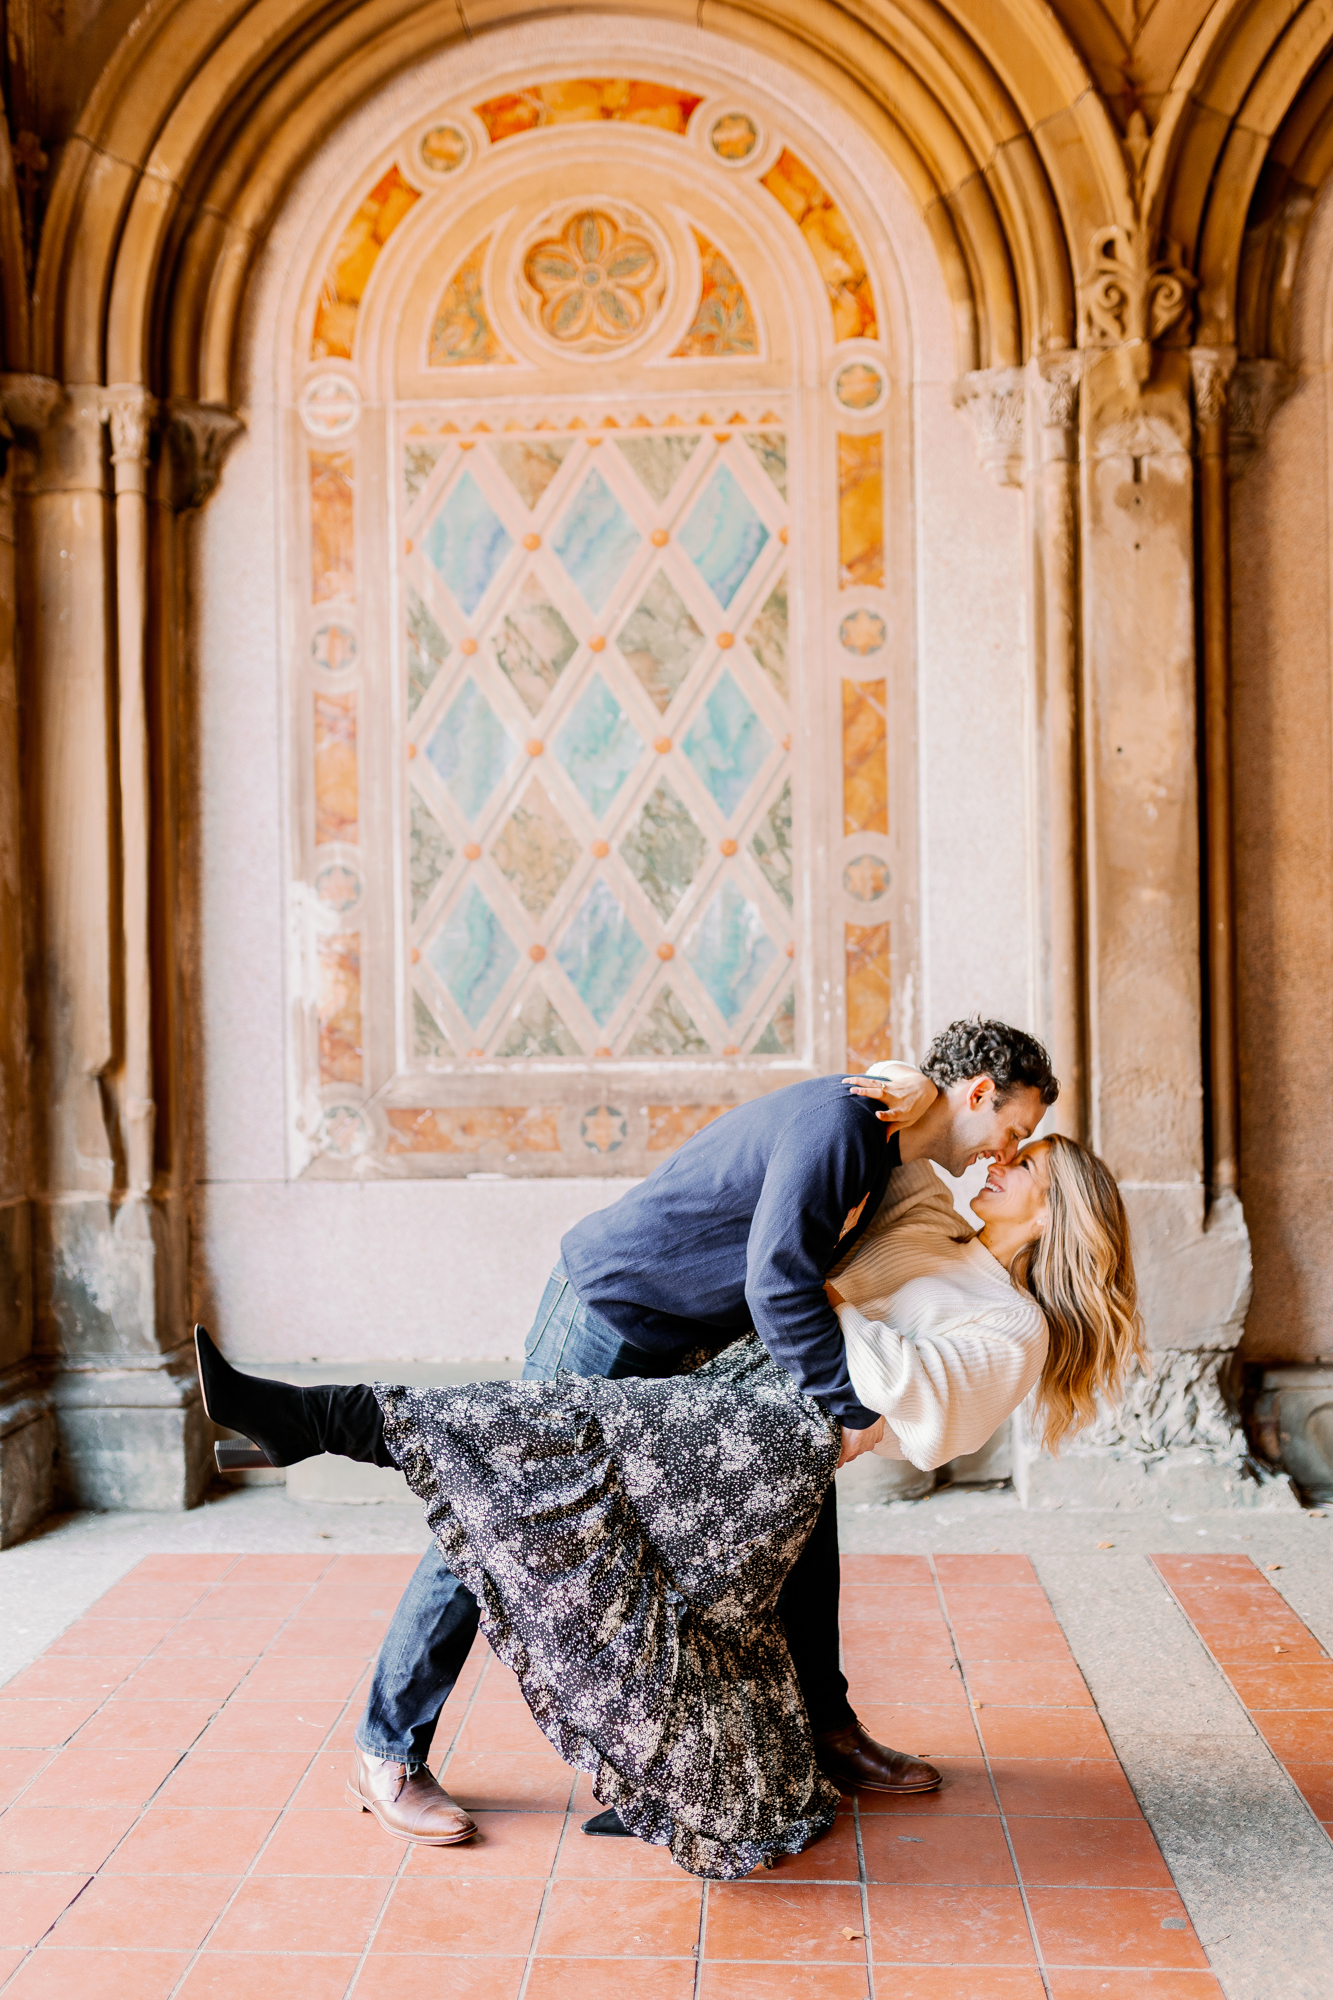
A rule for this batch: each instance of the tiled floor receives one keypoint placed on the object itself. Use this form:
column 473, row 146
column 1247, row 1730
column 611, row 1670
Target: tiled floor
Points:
column 175, row 1818
column 1281, row 1675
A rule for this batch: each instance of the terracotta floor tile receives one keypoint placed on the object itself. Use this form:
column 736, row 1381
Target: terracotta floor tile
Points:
column 966, row 1789
column 1087, row 1788
column 234, row 1778
column 505, row 1844
column 251, row 1600
column 1292, row 1734
column 165, row 1602
column 1103, row 1853
column 334, row 1600
column 374, row 1572
column 1066, row 1985
column 204, row 1566
column 56, row 1974
column 301, row 1913
column 598, row 1979
column 116, row 1638
column 1106, row 1926
column 1007, row 1639
column 970, row 1982
column 218, row 1638
column 500, row 1725
column 281, row 1568
column 832, row 1859
column 464, row 1918
column 101, row 1777
column 796, row 1920
column 914, row 1640
column 140, row 1725
column 70, row 1679
column 341, row 1842
column 117, row 1912
column 1304, row 1684
column 398, row 1976
column 1255, row 1604
column 29, row 1724
column 30, row 1904
column 986, row 1573
column 325, row 1678
column 936, row 1683
column 873, row 1610
column 1023, row 1607
column 18, row 1768
column 1243, row 1646
column 925, row 1732
column 592, row 1858
column 509, row 1781
column 172, row 1841
column 945, row 1926
column 210, row 1679
column 783, row 1982
column 10, row 1961
column 263, row 1725
column 970, row 1853
column 1181, row 1571
column 603, row 1920
column 315, row 1638
column 884, row 1571
column 1315, row 1784
column 55, row 1838
column 222, row 1975
column 1013, row 1684
column 1044, row 1732
column 324, row 1785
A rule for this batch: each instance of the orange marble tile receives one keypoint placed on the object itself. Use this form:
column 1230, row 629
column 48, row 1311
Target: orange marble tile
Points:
column 353, row 261
column 869, row 1026
column 670, row 1125
column 340, row 1008
column 584, row 100
column 860, row 511
column 336, row 803
column 865, row 762
column 478, row 1128
column 832, row 245
column 461, row 335
column 724, row 323
column 332, row 563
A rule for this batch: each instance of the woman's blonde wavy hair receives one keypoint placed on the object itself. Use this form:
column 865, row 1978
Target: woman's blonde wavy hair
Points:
column 1080, row 1271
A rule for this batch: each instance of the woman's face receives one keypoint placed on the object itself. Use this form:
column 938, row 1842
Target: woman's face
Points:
column 1017, row 1194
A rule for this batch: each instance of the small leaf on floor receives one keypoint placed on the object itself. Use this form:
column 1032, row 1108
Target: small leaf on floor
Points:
column 852, row 1937
column 1106, row 1545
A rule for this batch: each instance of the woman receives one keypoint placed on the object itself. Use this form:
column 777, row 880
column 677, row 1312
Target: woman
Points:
column 626, row 1540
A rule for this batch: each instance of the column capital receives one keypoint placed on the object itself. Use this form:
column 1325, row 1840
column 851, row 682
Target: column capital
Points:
column 27, row 404
column 1211, row 369
column 1055, row 382
column 993, row 398
column 129, row 412
column 1258, row 391
column 201, row 435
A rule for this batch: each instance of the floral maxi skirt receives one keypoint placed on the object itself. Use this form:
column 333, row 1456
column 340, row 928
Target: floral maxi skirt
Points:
column 626, row 1542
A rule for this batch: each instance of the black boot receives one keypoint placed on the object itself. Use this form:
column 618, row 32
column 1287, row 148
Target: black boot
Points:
column 286, row 1424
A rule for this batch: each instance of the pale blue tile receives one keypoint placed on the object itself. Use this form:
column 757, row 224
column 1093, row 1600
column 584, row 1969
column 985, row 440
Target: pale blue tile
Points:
column 727, row 744
column 599, row 746
column 730, row 950
column 471, row 749
column 595, row 540
column 467, row 542
column 473, row 955
column 600, row 953
column 723, row 536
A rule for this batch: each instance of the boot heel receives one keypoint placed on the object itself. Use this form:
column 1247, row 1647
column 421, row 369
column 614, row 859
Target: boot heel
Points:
column 239, row 1455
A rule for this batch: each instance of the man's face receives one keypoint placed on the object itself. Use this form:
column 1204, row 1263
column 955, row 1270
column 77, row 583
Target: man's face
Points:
column 981, row 1127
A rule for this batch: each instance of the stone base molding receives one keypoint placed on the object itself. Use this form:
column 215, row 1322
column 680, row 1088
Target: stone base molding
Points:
column 27, row 1453
column 1293, row 1425
column 132, row 1437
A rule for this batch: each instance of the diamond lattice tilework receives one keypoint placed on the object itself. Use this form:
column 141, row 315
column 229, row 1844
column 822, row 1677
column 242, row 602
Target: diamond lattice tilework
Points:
column 597, row 669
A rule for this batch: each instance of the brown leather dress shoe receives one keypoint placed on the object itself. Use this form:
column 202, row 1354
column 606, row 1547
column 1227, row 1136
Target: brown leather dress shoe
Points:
column 856, row 1762
column 408, row 1804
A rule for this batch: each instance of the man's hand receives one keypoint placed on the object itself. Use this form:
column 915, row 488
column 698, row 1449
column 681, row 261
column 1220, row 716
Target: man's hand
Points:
column 905, row 1094
column 856, row 1442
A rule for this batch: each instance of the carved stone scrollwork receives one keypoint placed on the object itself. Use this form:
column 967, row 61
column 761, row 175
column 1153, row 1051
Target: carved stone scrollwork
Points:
column 201, row 436
column 1055, row 381
column 1258, row 391
column 1181, row 1405
column 993, row 399
column 1127, row 299
column 1211, row 370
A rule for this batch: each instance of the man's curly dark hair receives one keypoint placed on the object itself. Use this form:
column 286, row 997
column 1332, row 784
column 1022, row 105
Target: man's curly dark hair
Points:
column 1012, row 1060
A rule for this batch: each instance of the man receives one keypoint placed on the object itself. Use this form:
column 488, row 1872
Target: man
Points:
column 738, row 1229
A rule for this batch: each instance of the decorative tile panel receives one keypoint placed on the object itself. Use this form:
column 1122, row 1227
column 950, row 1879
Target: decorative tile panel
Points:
column 535, row 851
column 352, row 262
column 595, row 540
column 428, row 1037
column 467, row 543
column 727, row 744
column 865, row 768
column 779, row 1037
column 427, row 650
column 768, row 636
column 579, row 100
column 429, row 853
column 666, row 1030
column 482, row 1128
column 332, row 548
column 462, row 335
column 536, row 1029
column 474, row 956
column 336, row 803
column 599, row 746
column 861, row 511
column 600, row 953
column 530, row 464
column 340, row 1008
column 419, row 461
column 534, row 645
column 724, row 536
column 658, row 462
column 670, row 1125
column 770, row 448
column 730, row 951
column 831, row 243
column 471, row 749
column 723, row 322
column 770, row 845
column 663, row 849
column 660, row 641
column 869, row 995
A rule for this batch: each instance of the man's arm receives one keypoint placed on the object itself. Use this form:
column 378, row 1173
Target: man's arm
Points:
column 821, row 1168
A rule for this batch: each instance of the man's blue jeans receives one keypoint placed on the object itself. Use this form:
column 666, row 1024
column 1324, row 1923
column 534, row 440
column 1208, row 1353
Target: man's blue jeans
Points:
column 436, row 1620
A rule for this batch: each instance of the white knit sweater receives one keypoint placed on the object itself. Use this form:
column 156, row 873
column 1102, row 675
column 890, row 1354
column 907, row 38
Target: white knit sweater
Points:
column 938, row 1338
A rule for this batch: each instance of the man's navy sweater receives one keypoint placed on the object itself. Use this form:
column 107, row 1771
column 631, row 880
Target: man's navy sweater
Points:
column 739, row 1229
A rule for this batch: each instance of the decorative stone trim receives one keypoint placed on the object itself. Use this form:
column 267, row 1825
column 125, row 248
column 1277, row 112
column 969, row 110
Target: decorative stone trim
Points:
column 1180, row 1406
column 1055, row 382
column 201, row 436
column 28, row 403
column 1258, row 391
column 993, row 398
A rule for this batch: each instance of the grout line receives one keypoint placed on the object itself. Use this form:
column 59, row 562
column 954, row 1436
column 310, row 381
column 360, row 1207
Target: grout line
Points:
column 865, row 1897
column 995, row 1790
column 549, row 1883
column 702, row 1944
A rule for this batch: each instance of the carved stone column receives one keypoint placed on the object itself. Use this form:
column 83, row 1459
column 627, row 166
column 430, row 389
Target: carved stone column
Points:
column 993, row 398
